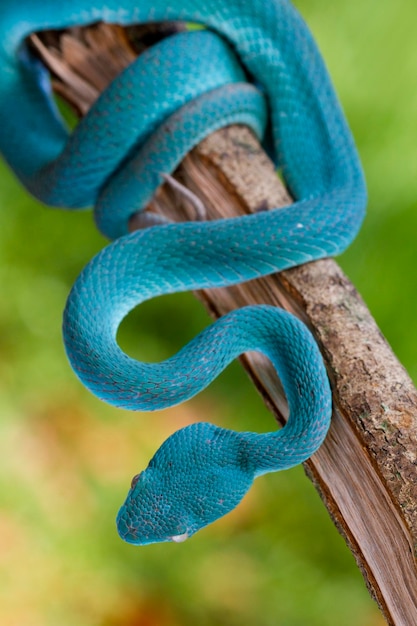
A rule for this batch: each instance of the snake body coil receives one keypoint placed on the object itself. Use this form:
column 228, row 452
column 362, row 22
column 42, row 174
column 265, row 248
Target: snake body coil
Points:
column 140, row 129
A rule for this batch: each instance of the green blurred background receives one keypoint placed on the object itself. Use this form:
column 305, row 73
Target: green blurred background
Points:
column 66, row 459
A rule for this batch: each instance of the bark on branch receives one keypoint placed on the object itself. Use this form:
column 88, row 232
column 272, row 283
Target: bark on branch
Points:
column 366, row 469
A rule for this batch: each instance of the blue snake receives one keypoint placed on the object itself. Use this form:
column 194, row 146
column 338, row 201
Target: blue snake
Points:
column 255, row 63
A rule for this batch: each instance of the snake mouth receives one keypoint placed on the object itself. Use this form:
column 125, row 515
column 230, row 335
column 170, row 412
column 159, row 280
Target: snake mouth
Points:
column 131, row 536
column 180, row 538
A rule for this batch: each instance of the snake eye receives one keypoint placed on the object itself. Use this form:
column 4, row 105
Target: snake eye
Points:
column 134, row 480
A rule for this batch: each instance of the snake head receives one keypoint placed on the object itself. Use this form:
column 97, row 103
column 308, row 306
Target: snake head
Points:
column 198, row 475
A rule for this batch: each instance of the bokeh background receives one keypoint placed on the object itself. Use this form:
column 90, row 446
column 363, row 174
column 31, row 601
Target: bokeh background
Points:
column 66, row 459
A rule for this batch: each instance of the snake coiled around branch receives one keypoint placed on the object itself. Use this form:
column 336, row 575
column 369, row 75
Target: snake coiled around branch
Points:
column 257, row 65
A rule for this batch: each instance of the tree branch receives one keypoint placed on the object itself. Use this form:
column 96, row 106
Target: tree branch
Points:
column 365, row 471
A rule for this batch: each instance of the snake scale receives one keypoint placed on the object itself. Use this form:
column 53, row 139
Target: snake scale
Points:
column 254, row 63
